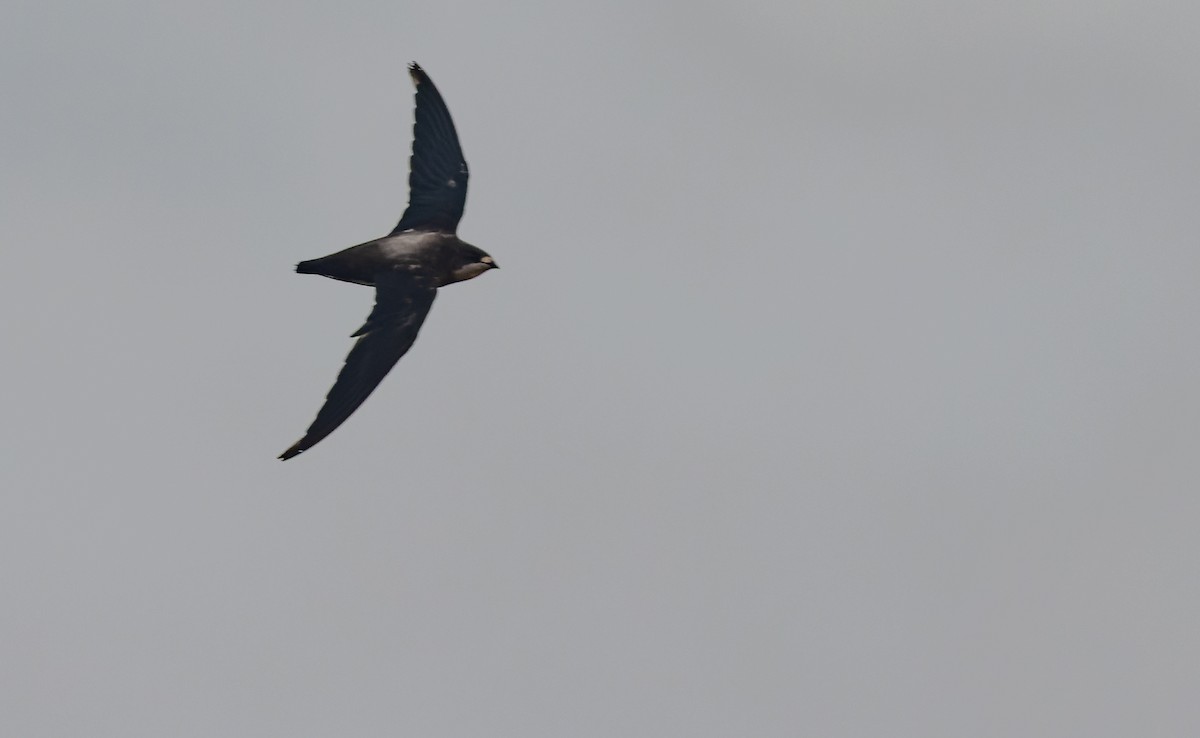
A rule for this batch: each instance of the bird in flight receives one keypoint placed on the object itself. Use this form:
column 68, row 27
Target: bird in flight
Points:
column 406, row 267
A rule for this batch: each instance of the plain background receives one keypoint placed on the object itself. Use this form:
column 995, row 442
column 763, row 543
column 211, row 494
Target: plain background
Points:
column 840, row 378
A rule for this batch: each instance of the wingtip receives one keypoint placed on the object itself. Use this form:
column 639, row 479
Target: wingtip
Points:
column 418, row 75
column 292, row 452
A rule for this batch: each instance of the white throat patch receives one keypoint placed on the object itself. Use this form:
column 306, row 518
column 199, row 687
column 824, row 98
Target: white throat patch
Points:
column 469, row 271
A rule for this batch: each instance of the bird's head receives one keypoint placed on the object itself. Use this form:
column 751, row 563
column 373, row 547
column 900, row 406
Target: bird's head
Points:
column 471, row 262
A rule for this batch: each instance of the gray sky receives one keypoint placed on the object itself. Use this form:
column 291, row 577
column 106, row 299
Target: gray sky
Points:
column 840, row 379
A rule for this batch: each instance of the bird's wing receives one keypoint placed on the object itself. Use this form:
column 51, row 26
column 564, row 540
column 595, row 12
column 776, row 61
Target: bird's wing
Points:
column 437, row 179
column 402, row 301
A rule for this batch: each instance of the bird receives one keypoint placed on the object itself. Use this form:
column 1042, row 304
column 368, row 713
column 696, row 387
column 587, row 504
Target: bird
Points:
column 406, row 267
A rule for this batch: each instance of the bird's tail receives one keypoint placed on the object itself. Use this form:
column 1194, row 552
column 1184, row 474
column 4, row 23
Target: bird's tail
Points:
column 308, row 267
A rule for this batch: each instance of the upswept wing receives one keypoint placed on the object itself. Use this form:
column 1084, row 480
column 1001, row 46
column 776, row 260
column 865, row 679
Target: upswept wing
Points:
column 437, row 179
column 402, row 301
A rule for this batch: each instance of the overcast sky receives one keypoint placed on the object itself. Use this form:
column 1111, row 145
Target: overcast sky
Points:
column 842, row 377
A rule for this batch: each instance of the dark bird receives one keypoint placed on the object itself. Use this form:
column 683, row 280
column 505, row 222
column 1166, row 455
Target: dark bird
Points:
column 406, row 267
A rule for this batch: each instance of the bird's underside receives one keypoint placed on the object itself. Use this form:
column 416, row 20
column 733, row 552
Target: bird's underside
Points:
column 406, row 267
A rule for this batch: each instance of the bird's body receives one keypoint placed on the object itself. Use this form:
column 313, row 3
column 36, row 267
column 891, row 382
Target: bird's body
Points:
column 405, row 267
column 441, row 253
